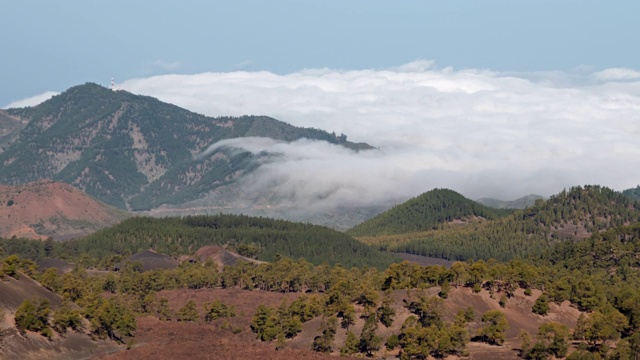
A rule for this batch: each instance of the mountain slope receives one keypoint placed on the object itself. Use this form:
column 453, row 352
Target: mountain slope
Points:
column 9, row 126
column 633, row 193
column 52, row 209
column 520, row 203
column 135, row 151
column 425, row 212
column 571, row 215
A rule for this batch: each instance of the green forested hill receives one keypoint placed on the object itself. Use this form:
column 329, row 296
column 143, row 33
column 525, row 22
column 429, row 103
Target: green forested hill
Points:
column 633, row 193
column 270, row 239
column 570, row 215
column 615, row 250
column 134, row 151
column 425, row 212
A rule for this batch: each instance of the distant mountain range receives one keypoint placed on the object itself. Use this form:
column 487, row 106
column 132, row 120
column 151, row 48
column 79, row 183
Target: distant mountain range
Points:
column 633, row 193
column 134, row 152
column 520, row 203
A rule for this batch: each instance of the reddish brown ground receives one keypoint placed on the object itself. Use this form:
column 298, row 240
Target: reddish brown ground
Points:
column 221, row 256
column 159, row 340
column 45, row 208
column 174, row 340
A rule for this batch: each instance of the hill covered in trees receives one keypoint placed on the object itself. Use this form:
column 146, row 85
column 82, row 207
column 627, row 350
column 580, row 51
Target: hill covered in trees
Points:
column 570, row 215
column 263, row 238
column 633, row 193
column 428, row 211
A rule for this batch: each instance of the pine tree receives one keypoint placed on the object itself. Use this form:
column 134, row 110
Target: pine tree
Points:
column 369, row 341
column 350, row 344
column 496, row 328
column 189, row 312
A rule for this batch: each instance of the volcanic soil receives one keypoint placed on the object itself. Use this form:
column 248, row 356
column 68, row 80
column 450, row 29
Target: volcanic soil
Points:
column 46, row 208
column 232, row 338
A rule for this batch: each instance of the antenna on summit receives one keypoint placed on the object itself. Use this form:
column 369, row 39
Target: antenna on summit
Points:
column 113, row 85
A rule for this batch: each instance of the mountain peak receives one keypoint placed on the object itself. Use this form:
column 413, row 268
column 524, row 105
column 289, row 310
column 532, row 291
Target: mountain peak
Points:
column 135, row 152
column 425, row 212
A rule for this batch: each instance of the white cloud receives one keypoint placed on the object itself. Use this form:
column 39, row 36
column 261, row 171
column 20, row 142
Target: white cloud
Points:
column 32, row 101
column 482, row 133
column 614, row 74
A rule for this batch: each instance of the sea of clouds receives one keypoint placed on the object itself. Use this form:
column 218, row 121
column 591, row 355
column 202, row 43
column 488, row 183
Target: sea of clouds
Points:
column 482, row 133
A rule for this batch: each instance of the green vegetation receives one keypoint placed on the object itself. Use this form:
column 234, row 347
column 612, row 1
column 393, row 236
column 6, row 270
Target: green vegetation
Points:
column 324, row 341
column 188, row 312
column 552, row 341
column 216, row 310
column 496, row 327
column 541, row 306
column 428, row 211
column 570, row 215
column 599, row 275
column 174, row 236
column 33, row 315
column 633, row 193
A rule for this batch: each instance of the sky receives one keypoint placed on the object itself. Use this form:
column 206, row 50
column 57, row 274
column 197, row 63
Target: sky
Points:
column 496, row 98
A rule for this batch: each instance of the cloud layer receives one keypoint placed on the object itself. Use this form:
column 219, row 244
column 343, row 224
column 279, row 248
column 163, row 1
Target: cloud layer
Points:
column 482, row 133
column 31, row 101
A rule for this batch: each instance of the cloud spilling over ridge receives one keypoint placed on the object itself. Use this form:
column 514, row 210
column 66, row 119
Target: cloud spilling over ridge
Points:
column 31, row 101
column 479, row 132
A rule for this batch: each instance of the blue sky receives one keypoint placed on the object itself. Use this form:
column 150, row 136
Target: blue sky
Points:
column 497, row 98
column 50, row 46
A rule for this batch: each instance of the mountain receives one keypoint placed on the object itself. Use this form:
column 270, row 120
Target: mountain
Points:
column 520, row 203
column 136, row 152
column 570, row 215
column 9, row 126
column 633, row 193
column 425, row 212
column 45, row 208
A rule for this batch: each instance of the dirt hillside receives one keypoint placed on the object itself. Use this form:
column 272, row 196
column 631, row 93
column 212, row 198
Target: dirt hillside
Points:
column 46, row 208
column 233, row 339
column 221, row 256
column 13, row 345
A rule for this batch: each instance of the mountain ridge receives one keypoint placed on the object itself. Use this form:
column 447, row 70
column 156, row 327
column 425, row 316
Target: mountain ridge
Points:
column 519, row 203
column 136, row 152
